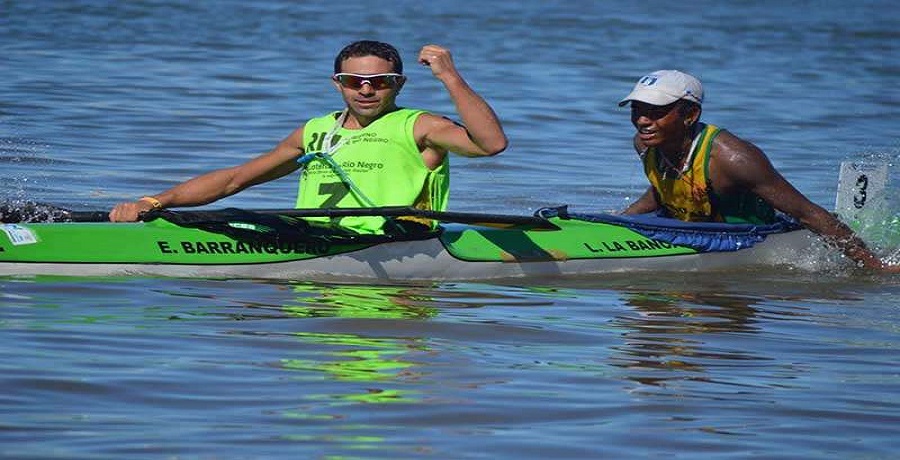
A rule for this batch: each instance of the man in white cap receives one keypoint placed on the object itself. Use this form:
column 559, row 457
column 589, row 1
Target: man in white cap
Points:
column 700, row 173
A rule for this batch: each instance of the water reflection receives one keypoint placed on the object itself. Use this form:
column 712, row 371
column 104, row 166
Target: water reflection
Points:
column 359, row 301
column 680, row 336
column 725, row 334
column 353, row 357
column 369, row 346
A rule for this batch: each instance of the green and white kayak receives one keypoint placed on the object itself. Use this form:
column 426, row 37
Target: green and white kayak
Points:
column 466, row 246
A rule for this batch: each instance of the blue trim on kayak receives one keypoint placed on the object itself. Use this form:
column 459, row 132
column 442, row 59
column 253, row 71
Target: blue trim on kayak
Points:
column 702, row 236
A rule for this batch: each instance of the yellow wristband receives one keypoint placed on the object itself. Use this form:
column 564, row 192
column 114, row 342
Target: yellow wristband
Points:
column 153, row 202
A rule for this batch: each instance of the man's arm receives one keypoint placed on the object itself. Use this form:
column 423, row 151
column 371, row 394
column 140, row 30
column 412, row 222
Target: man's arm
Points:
column 740, row 164
column 646, row 203
column 220, row 183
column 481, row 133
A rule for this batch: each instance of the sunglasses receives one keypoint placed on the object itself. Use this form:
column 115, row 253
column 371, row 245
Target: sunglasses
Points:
column 378, row 81
column 653, row 112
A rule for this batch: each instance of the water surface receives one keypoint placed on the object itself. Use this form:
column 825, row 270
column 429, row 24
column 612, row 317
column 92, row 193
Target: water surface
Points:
column 108, row 101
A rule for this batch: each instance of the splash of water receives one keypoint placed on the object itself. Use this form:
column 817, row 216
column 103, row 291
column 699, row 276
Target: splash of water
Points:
column 25, row 211
column 878, row 223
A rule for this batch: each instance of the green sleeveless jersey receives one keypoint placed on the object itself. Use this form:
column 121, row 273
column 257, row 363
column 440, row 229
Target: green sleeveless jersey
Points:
column 689, row 195
column 383, row 163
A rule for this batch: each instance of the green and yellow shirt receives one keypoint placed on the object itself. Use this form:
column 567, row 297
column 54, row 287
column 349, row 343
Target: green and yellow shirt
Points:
column 689, row 195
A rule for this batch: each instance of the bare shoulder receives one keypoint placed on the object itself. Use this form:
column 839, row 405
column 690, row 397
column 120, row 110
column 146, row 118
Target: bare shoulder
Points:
column 738, row 162
column 428, row 125
column 428, row 121
column 728, row 142
column 295, row 138
column 732, row 151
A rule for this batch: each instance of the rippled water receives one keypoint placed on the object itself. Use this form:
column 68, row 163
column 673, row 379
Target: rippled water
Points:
column 105, row 101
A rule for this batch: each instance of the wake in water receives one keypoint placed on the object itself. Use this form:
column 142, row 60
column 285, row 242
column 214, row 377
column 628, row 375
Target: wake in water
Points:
column 882, row 233
column 16, row 151
column 26, row 211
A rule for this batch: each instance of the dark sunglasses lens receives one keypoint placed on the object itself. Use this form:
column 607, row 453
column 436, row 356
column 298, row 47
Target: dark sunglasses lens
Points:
column 653, row 112
column 378, row 82
column 351, row 81
column 383, row 81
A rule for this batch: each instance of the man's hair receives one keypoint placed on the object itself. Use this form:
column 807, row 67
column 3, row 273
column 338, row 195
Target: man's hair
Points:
column 364, row 48
column 685, row 106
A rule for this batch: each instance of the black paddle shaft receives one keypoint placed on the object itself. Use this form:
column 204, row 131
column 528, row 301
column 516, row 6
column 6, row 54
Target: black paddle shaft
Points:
column 38, row 212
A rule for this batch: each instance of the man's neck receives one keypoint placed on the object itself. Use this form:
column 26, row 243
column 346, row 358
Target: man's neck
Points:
column 677, row 152
column 357, row 121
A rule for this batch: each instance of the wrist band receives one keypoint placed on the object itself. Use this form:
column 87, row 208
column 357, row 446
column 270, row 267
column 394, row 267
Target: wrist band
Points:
column 153, row 202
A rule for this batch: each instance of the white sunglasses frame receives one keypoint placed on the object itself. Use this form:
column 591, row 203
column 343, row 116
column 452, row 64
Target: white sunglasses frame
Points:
column 366, row 78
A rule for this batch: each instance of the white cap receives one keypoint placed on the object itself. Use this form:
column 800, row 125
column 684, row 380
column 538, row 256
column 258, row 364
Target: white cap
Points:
column 664, row 87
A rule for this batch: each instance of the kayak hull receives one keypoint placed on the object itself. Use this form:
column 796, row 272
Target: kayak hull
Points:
column 460, row 252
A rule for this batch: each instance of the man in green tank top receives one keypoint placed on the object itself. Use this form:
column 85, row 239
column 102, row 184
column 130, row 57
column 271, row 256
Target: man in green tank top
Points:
column 701, row 173
column 372, row 153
